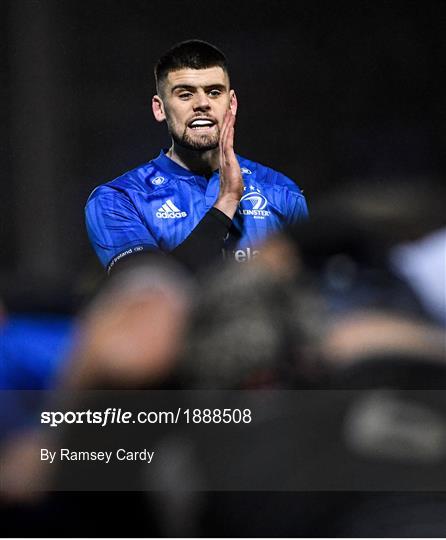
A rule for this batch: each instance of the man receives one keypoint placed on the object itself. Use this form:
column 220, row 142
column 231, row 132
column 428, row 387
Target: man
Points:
column 198, row 199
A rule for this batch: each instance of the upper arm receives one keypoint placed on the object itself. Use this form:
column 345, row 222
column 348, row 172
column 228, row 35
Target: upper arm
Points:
column 115, row 227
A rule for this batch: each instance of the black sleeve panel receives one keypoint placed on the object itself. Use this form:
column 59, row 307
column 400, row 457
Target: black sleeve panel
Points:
column 205, row 243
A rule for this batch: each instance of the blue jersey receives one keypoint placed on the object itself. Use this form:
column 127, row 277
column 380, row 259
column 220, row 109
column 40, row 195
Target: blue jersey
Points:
column 157, row 205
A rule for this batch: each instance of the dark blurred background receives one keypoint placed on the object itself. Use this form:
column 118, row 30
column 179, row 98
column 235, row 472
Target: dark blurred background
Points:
column 327, row 91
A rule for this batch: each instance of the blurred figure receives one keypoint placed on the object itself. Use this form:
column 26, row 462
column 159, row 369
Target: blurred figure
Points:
column 130, row 337
column 366, row 329
column 133, row 332
column 252, row 328
column 380, row 336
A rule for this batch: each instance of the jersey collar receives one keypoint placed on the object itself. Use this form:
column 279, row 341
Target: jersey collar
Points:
column 168, row 165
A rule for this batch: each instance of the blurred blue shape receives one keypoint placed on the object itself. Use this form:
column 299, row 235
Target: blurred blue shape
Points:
column 32, row 349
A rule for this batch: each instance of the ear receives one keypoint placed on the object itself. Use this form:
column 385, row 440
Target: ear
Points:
column 158, row 109
column 233, row 104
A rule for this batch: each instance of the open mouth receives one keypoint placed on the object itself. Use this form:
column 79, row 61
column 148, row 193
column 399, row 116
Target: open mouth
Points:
column 201, row 123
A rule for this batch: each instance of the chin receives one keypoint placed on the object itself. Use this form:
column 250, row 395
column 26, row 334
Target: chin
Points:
column 202, row 143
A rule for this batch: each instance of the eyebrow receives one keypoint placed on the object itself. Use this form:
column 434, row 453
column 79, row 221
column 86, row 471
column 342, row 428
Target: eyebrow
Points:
column 191, row 88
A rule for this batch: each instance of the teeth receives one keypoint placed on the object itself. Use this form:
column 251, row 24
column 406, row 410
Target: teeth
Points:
column 200, row 123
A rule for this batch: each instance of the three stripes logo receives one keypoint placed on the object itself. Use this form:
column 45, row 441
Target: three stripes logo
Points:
column 169, row 211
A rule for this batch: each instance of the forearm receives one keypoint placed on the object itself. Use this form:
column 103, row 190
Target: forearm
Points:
column 205, row 243
column 227, row 204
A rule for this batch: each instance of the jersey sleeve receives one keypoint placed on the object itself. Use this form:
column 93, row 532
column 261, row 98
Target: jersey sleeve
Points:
column 292, row 200
column 114, row 226
column 297, row 207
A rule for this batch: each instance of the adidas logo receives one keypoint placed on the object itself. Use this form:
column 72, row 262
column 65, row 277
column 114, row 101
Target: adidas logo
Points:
column 169, row 211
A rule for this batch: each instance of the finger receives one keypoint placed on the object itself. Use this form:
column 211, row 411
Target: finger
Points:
column 228, row 143
column 223, row 136
column 224, row 129
column 227, row 130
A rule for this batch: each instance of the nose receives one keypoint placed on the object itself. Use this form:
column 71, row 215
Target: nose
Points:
column 201, row 102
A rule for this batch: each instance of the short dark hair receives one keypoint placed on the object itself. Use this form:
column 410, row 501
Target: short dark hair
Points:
column 192, row 54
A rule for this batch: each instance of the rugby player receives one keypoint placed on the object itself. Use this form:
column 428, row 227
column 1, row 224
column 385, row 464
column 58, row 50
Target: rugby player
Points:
column 197, row 200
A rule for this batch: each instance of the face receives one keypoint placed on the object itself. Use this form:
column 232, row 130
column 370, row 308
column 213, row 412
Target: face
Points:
column 194, row 102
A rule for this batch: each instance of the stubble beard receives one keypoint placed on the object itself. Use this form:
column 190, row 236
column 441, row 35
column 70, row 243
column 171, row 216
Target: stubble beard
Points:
column 199, row 142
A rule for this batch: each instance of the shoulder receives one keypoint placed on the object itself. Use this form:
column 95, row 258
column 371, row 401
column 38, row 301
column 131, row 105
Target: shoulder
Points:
column 144, row 179
column 267, row 176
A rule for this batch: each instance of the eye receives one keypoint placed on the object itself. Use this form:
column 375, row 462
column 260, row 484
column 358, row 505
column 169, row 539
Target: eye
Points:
column 215, row 92
column 185, row 95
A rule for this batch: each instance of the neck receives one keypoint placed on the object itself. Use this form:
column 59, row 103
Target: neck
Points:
column 203, row 163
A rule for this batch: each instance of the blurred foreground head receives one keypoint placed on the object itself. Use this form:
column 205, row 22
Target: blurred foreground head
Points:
column 254, row 327
column 347, row 244
column 132, row 333
column 347, row 249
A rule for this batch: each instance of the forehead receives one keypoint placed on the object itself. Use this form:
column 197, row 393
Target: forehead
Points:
column 197, row 77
